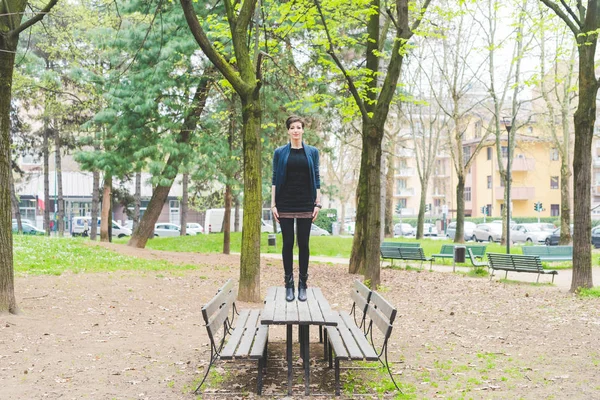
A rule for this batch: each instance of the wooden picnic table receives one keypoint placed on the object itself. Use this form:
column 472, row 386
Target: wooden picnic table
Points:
column 314, row 311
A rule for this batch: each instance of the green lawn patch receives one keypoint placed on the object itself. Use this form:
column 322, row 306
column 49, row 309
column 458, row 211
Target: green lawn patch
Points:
column 40, row 255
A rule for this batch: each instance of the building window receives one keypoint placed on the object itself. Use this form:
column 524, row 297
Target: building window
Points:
column 504, row 152
column 488, row 210
column 489, row 153
column 489, row 181
column 554, row 154
column 554, row 182
column 466, row 154
column 467, row 194
column 401, row 203
column 554, row 210
column 401, row 184
column 437, row 202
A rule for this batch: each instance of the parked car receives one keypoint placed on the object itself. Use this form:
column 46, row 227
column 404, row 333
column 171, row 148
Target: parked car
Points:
column 164, row 229
column 429, row 229
column 193, row 228
column 317, row 231
column 80, row 226
column 24, row 221
column 469, row 227
column 267, row 226
column 554, row 237
column 528, row 233
column 28, row 229
column 596, row 237
column 404, row 229
column 487, row 232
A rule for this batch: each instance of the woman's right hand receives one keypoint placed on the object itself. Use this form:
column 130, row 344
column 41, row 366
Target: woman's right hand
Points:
column 275, row 213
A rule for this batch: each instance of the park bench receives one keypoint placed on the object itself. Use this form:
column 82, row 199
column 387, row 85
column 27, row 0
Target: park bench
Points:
column 447, row 251
column 517, row 263
column 550, row 253
column 388, row 250
column 473, row 258
column 243, row 339
column 353, row 340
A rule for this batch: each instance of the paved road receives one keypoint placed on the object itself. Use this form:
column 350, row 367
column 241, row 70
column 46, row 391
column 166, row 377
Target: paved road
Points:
column 561, row 281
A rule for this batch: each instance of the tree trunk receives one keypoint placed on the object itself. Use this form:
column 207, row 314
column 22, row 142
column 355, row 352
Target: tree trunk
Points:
column 227, row 221
column 184, row 203
column 106, row 219
column 460, row 210
column 422, row 209
column 46, row 155
column 137, row 199
column 389, row 198
column 365, row 246
column 565, row 204
column 585, row 118
column 140, row 237
column 59, row 187
column 95, row 203
column 249, row 286
column 8, row 302
column 236, row 215
column 15, row 202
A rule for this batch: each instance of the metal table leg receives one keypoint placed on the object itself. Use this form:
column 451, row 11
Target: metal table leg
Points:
column 306, row 360
column 289, row 358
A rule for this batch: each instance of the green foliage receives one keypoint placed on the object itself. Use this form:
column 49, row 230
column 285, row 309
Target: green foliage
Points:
column 592, row 292
column 326, row 217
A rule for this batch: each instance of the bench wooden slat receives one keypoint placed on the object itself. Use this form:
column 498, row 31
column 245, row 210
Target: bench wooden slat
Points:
column 400, row 244
column 217, row 301
column 383, row 306
column 243, row 349
column 303, row 311
column 269, row 310
column 362, row 342
column 326, row 312
column 349, row 341
column 315, row 312
column 260, row 342
column 220, row 316
column 361, row 289
column 280, row 312
column 336, row 342
column 236, row 336
column 291, row 310
column 360, row 302
column 378, row 319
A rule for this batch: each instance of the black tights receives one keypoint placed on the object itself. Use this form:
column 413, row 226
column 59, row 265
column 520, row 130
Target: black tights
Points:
column 287, row 231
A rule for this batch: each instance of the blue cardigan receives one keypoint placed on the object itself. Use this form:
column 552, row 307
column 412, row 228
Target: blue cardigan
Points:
column 280, row 158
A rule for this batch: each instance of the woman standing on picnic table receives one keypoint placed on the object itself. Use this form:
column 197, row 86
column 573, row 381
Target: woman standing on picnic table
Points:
column 295, row 196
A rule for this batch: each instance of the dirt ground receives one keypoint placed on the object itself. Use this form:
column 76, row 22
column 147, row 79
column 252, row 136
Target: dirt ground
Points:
column 136, row 335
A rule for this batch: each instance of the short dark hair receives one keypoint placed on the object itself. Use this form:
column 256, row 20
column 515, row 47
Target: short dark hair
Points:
column 293, row 118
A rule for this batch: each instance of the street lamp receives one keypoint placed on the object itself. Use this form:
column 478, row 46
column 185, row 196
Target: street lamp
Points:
column 508, row 125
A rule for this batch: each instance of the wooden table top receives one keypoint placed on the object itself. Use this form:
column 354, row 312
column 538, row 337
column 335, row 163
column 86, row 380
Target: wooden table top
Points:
column 314, row 311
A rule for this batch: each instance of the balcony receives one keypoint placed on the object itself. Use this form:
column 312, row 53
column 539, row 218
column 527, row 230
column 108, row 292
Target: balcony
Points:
column 520, row 164
column 442, row 173
column 404, row 153
column 596, row 162
column 405, row 172
column 404, row 192
column 516, row 193
column 438, row 195
column 407, row 212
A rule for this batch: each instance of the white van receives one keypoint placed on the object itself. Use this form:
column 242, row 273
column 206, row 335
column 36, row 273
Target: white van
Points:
column 213, row 222
column 80, row 226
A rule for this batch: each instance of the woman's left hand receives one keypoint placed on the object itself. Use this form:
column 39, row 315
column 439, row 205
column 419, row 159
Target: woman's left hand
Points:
column 315, row 213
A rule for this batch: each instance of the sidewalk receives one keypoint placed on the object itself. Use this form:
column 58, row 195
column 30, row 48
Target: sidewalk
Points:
column 561, row 281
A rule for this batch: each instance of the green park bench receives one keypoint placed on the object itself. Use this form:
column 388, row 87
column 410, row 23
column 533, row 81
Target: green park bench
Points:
column 406, row 254
column 517, row 263
column 550, row 253
column 447, row 251
column 388, row 250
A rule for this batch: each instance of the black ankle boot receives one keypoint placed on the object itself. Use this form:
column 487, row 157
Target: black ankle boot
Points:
column 302, row 287
column 289, row 287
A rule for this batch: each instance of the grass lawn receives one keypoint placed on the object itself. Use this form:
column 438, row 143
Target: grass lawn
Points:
column 39, row 255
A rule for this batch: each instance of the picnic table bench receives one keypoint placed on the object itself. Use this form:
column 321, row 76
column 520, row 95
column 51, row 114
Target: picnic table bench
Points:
column 447, row 250
column 517, row 263
column 352, row 340
column 243, row 339
column 314, row 311
column 550, row 253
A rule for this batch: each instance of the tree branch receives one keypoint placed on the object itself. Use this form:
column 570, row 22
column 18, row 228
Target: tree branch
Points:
column 554, row 7
column 419, row 19
column 228, row 71
column 570, row 11
column 31, row 21
column 331, row 51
